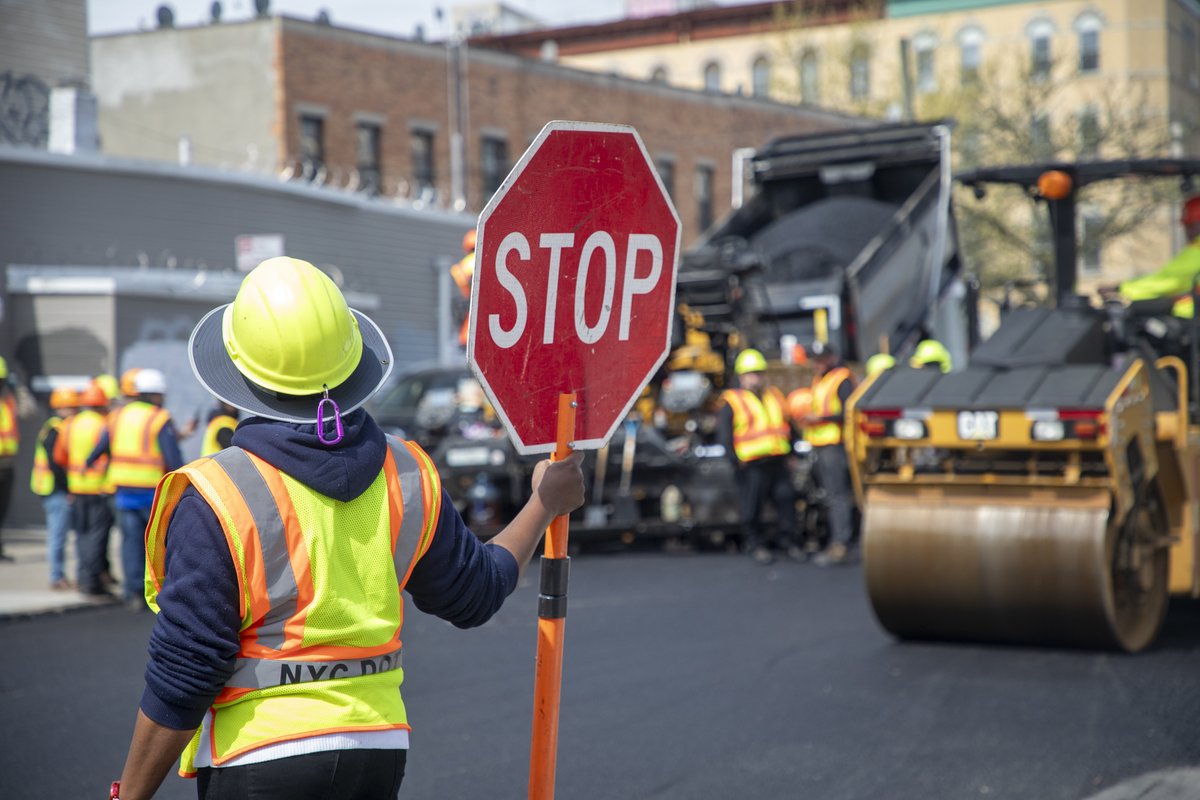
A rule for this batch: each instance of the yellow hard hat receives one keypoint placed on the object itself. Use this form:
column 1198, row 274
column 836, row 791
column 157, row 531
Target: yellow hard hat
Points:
column 289, row 329
column 929, row 352
column 290, row 332
column 880, row 362
column 749, row 361
column 128, row 387
column 3, row 368
column 107, row 384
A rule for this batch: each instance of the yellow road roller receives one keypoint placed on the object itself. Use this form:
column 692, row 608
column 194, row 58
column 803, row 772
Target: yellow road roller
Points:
column 1047, row 492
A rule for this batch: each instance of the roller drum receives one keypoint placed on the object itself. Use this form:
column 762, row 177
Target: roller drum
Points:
column 1011, row 564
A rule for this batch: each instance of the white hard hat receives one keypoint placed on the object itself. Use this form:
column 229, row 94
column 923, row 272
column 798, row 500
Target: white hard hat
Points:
column 150, row 381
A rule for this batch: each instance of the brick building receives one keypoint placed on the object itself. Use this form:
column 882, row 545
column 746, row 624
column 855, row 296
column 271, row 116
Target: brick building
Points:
column 367, row 112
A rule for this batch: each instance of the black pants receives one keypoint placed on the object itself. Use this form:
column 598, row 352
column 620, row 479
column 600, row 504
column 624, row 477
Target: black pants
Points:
column 332, row 775
column 762, row 481
column 6, row 484
column 833, row 470
column 92, row 518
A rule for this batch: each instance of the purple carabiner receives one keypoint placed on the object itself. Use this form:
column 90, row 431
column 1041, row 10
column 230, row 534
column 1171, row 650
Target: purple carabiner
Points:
column 337, row 421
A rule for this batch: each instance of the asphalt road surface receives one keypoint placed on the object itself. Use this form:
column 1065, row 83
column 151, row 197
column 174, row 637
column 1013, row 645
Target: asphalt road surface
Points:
column 686, row 676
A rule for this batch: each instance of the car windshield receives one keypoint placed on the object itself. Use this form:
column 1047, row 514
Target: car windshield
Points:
column 408, row 391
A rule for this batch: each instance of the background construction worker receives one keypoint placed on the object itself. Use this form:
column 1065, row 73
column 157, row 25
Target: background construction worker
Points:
column 1176, row 277
column 463, row 271
column 48, row 481
column 275, row 653
column 753, row 426
column 931, row 353
column 141, row 446
column 832, row 386
column 91, row 515
column 219, row 433
column 9, row 442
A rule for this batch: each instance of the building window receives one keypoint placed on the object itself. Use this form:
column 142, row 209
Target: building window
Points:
column 860, row 72
column 666, row 173
column 494, row 158
column 1090, row 241
column 1191, row 63
column 704, row 196
column 810, row 79
column 1087, row 27
column 761, row 77
column 712, row 77
column 424, row 178
column 367, row 136
column 312, row 145
column 659, row 75
column 1040, row 33
column 925, row 46
column 1089, row 132
column 1039, row 136
column 970, row 47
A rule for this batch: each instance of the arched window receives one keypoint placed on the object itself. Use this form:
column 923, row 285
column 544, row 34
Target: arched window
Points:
column 925, row 47
column 1041, row 33
column 760, row 76
column 860, row 72
column 712, row 77
column 1087, row 28
column 970, row 49
column 659, row 75
column 810, row 77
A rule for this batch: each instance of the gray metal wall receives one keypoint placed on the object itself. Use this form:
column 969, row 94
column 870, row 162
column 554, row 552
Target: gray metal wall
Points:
column 103, row 216
column 43, row 43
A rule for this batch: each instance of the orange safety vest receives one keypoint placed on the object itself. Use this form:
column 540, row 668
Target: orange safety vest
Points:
column 463, row 272
column 825, row 403
column 760, row 427
column 319, row 594
column 136, row 458
column 41, row 478
column 9, row 437
column 77, row 439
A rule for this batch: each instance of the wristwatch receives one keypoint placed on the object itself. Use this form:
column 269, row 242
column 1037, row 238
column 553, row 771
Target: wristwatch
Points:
column 114, row 791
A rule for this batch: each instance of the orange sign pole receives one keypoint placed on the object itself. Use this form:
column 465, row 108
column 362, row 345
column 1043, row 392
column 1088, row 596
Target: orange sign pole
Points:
column 552, row 620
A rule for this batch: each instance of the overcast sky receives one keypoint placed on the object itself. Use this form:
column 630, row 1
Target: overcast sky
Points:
column 395, row 17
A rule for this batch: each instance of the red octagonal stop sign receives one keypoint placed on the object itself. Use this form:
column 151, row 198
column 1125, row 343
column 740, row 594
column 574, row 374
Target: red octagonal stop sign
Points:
column 574, row 286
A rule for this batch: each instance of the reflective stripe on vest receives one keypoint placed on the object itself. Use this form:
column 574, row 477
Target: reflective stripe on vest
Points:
column 826, row 403
column 220, row 423
column 334, row 644
column 41, row 478
column 82, row 432
column 136, row 459
column 760, row 426
column 9, row 436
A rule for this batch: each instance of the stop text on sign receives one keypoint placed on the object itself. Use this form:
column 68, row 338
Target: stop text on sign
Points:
column 599, row 251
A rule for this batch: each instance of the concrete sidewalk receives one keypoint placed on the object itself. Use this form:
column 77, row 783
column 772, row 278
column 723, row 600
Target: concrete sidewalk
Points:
column 25, row 580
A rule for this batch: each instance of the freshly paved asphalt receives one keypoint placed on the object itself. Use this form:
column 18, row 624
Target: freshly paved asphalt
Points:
column 686, row 675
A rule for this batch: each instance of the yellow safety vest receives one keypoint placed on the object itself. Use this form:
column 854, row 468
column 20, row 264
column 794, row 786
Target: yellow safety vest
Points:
column 136, row 458
column 9, row 437
column 77, row 438
column 825, row 403
column 215, row 426
column 321, row 614
column 41, row 478
column 760, row 427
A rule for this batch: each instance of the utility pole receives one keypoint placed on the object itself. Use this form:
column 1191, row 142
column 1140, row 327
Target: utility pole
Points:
column 456, row 52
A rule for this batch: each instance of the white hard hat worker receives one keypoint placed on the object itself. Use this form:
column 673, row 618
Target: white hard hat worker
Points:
column 149, row 381
column 289, row 345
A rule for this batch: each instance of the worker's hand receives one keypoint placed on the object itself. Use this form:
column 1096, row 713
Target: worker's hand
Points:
column 559, row 484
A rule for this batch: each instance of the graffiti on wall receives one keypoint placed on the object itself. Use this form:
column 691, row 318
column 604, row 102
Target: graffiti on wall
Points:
column 24, row 110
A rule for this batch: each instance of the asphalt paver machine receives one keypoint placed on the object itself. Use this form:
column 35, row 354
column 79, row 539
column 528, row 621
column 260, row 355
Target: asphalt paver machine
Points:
column 1047, row 493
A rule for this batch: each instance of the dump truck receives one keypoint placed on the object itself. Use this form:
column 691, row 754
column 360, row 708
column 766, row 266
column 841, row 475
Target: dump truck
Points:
column 1047, row 493
column 848, row 237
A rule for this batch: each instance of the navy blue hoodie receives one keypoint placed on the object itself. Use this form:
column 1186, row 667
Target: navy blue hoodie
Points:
column 194, row 643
